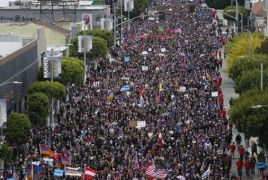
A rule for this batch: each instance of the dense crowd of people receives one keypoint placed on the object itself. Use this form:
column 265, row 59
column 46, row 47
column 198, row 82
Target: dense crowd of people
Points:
column 170, row 72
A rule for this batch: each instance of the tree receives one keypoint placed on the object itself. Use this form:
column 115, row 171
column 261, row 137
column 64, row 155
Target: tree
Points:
column 220, row 4
column 38, row 108
column 6, row 153
column 99, row 48
column 18, row 129
column 51, row 89
column 252, row 122
column 239, row 46
column 250, row 80
column 245, row 64
column 72, row 71
column 104, row 34
column 231, row 11
column 140, row 6
column 263, row 48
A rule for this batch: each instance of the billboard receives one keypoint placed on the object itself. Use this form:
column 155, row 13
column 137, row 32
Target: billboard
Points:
column 3, row 111
column 47, row 63
column 87, row 21
column 84, row 43
column 128, row 5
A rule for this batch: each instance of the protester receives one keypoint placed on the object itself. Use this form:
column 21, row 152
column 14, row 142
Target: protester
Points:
column 165, row 74
column 239, row 165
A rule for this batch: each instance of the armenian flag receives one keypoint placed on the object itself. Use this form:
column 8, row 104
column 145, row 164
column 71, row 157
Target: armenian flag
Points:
column 30, row 174
column 46, row 150
column 58, row 161
column 65, row 160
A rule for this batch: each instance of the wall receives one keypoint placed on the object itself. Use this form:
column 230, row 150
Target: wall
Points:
column 42, row 43
column 21, row 65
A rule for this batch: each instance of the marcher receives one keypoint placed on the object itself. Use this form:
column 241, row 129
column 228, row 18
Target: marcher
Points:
column 247, row 168
column 239, row 165
column 167, row 84
column 232, row 149
column 238, row 139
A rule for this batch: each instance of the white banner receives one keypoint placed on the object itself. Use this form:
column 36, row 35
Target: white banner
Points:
column 81, row 43
column 107, row 23
column 87, row 21
column 3, row 111
column 128, row 5
column 47, row 63
column 73, row 171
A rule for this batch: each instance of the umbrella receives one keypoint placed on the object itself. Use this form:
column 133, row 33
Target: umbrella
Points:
column 125, row 88
column 180, row 177
column 144, row 53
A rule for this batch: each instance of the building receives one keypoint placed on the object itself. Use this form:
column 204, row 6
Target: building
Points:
column 259, row 14
column 21, row 15
column 56, row 35
column 19, row 64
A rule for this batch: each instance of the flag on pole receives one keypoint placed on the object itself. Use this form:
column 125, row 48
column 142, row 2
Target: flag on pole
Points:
column 46, row 150
column 160, row 139
column 30, row 173
column 136, row 163
column 160, row 173
column 160, row 87
column 142, row 91
column 150, row 170
column 206, row 173
column 90, row 173
column 65, row 160
column 142, row 102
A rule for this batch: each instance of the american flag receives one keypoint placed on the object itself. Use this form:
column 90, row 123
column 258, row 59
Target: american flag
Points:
column 136, row 162
column 154, row 172
column 150, row 170
column 161, row 173
column 16, row 175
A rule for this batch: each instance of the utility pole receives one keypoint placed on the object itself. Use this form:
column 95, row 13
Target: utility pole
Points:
column 236, row 14
column 114, row 23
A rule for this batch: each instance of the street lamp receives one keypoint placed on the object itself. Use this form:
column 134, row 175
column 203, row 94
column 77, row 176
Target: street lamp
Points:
column 114, row 17
column 261, row 62
column 52, row 79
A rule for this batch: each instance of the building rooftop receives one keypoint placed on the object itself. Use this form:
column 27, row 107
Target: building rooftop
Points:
column 51, row 26
column 257, row 8
column 9, row 44
column 37, row 7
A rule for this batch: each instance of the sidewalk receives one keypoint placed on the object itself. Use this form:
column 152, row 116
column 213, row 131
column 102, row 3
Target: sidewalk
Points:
column 228, row 92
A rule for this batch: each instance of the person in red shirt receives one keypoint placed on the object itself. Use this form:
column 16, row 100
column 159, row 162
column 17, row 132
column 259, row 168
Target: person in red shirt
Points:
column 220, row 62
column 220, row 53
column 223, row 113
column 247, row 168
column 232, row 149
column 241, row 151
column 239, row 165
